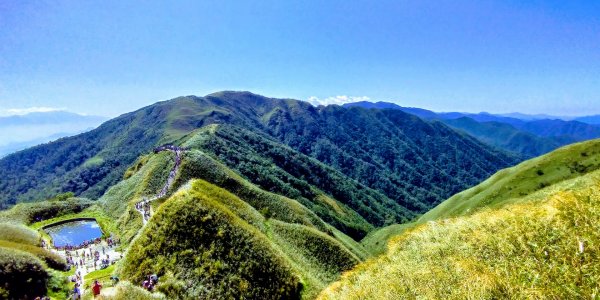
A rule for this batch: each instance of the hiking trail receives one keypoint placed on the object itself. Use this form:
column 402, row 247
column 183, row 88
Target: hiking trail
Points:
column 144, row 207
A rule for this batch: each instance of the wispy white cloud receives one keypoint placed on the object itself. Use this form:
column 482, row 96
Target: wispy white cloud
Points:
column 339, row 100
column 23, row 111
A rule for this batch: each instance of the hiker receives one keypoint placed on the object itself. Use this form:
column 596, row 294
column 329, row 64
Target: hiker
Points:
column 76, row 292
column 96, row 288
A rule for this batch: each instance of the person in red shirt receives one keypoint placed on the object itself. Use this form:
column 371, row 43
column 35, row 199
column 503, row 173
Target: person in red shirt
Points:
column 96, row 288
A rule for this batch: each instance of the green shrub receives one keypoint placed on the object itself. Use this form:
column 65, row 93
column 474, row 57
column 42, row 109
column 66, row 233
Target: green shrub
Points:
column 28, row 213
column 18, row 234
column 127, row 291
column 22, row 275
column 53, row 260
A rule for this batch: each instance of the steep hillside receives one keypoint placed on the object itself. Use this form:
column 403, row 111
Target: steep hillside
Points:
column 207, row 242
column 510, row 185
column 539, row 245
column 208, row 249
column 282, row 170
column 414, row 163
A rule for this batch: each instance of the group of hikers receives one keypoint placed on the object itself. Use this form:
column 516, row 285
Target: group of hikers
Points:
column 150, row 282
column 96, row 289
column 168, row 147
column 144, row 208
column 85, row 244
column 78, row 258
column 171, row 178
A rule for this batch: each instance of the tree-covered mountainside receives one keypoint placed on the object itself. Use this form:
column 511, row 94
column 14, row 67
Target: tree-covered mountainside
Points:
column 413, row 162
column 529, row 232
column 528, row 137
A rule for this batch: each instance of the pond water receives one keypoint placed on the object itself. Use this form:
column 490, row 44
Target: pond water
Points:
column 74, row 233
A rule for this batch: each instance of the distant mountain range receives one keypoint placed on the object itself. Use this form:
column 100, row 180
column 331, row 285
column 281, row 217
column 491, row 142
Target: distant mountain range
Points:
column 23, row 131
column 529, row 135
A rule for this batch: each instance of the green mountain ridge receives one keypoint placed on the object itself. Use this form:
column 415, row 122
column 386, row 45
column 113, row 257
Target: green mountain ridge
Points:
column 412, row 162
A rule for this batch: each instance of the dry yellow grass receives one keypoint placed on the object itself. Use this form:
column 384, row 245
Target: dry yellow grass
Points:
column 546, row 249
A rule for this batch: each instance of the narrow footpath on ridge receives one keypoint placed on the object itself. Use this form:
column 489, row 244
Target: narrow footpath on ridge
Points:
column 143, row 206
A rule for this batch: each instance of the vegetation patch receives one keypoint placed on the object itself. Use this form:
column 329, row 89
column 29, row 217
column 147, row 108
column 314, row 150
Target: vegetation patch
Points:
column 51, row 259
column 27, row 213
column 18, row 233
column 22, row 275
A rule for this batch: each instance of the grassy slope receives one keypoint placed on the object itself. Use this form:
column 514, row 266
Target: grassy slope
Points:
column 21, row 273
column 507, row 186
column 215, row 245
column 376, row 242
column 144, row 178
column 289, row 223
column 543, row 246
column 28, row 213
column 510, row 185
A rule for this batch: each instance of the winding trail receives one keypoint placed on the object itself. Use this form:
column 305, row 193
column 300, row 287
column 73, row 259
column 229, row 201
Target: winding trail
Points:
column 143, row 206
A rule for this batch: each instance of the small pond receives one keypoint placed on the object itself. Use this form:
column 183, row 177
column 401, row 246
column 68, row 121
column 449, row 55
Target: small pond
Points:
column 74, row 233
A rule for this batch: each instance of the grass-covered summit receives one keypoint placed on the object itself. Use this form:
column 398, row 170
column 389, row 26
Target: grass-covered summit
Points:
column 508, row 238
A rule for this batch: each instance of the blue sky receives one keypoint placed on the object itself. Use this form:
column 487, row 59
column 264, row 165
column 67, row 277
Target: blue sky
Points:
column 111, row 57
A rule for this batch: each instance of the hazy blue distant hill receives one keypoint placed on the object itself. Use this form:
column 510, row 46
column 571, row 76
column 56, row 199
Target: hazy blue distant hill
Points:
column 558, row 128
column 428, row 114
column 520, row 133
column 507, row 137
column 594, row 120
column 52, row 117
column 23, row 131
column 17, row 146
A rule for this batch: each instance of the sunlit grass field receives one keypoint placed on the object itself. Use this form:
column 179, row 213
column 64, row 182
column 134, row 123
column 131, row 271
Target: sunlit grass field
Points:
column 545, row 246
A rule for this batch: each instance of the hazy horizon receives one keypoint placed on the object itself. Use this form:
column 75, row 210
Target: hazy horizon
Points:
column 22, row 111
